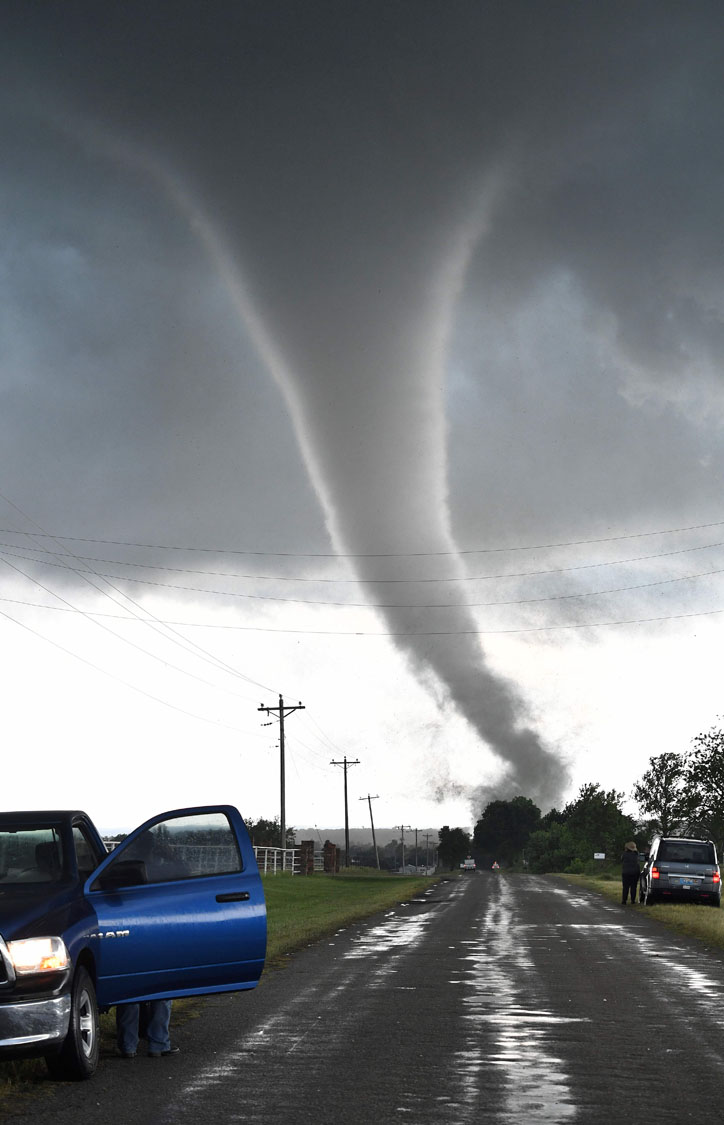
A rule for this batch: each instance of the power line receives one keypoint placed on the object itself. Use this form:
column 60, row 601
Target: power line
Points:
column 117, row 636
column 456, row 579
column 150, row 620
column 378, row 554
column 119, row 679
column 391, row 633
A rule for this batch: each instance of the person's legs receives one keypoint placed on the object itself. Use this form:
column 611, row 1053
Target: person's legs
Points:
column 628, row 884
column 157, row 1031
column 127, row 1028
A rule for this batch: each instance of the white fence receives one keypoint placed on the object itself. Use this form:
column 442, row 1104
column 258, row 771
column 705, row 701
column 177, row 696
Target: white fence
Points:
column 272, row 861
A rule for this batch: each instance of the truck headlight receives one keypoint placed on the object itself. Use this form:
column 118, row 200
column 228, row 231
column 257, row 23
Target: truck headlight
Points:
column 38, row 955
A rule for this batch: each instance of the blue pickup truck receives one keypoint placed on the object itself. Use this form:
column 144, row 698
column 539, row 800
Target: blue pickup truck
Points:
column 177, row 909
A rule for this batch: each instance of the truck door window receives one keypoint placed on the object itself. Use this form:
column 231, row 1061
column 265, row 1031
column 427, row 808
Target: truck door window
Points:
column 186, row 847
column 85, row 853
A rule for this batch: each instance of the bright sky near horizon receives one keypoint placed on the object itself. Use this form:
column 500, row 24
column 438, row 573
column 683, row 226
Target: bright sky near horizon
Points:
column 370, row 354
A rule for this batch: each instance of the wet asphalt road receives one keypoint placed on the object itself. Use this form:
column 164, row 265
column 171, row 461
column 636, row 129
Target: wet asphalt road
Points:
column 491, row 999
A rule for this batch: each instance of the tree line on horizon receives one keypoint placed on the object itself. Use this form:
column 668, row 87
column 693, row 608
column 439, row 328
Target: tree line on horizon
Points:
column 678, row 794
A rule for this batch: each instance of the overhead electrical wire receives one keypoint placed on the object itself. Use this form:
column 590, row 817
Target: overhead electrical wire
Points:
column 117, row 636
column 382, row 633
column 184, row 642
column 408, row 581
column 399, row 605
column 150, row 620
column 378, row 554
column 119, row 679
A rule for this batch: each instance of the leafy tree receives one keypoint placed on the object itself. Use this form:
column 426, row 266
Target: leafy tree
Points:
column 551, row 848
column 454, row 845
column 663, row 795
column 704, row 779
column 504, row 828
column 597, row 822
column 553, row 816
column 268, row 833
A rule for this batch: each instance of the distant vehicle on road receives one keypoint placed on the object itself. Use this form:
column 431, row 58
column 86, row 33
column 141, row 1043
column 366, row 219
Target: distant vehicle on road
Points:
column 468, row 864
column 677, row 867
column 176, row 909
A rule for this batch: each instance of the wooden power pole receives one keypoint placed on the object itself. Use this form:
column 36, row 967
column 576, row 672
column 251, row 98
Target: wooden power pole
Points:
column 346, row 765
column 282, row 711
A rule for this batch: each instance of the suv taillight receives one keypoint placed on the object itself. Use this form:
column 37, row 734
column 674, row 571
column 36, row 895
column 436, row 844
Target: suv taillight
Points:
column 716, row 877
column 654, row 873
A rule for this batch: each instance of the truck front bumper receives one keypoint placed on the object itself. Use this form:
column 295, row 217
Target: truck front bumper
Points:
column 31, row 1026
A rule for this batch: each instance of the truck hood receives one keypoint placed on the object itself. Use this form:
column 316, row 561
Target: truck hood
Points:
column 33, row 910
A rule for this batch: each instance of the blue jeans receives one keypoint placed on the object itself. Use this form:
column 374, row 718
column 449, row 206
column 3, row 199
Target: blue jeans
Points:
column 156, row 1032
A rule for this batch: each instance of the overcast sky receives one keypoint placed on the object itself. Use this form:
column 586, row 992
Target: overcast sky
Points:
column 367, row 353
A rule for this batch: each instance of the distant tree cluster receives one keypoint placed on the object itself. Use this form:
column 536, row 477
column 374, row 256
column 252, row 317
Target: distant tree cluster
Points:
column 515, row 833
column 390, row 854
column 679, row 794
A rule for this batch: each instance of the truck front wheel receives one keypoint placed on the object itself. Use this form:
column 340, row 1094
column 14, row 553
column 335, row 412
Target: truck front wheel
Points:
column 78, row 1057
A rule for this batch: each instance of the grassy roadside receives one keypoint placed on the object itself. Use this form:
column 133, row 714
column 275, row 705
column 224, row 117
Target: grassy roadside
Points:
column 299, row 911
column 704, row 923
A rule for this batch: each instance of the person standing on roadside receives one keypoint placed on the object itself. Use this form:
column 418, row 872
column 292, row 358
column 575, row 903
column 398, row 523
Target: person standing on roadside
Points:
column 630, row 872
column 155, row 1031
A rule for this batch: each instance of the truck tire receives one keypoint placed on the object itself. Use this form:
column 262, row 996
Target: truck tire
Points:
column 78, row 1057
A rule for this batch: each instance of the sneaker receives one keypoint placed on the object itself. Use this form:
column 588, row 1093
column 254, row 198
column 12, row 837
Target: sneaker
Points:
column 127, row 1054
column 173, row 1050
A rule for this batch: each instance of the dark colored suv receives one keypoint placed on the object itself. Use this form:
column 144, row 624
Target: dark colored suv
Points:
column 678, row 868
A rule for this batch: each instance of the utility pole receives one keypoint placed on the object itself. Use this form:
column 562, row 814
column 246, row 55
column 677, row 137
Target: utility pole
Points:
column 346, row 765
column 282, row 711
column 416, row 851
column 402, row 828
column 369, row 801
column 426, row 838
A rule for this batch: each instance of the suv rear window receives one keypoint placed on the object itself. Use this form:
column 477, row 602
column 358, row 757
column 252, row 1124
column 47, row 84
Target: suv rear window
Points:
column 683, row 851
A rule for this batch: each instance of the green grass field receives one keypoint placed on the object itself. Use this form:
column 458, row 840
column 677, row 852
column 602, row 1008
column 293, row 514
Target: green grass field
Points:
column 705, row 923
column 299, row 911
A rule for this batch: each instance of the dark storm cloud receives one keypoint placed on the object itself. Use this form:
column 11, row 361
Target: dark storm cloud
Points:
column 355, row 160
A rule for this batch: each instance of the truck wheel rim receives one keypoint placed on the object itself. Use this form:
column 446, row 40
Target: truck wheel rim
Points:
column 86, row 1024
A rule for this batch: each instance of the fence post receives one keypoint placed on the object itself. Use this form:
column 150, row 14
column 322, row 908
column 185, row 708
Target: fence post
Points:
column 331, row 858
column 306, row 857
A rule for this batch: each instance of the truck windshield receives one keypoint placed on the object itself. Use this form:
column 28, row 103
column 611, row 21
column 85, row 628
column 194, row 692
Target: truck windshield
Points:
column 30, row 855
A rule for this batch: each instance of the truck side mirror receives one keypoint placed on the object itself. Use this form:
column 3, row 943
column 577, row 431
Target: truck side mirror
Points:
column 123, row 873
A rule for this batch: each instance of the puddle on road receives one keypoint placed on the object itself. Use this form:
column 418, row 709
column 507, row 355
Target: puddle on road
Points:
column 499, row 972
column 394, row 933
